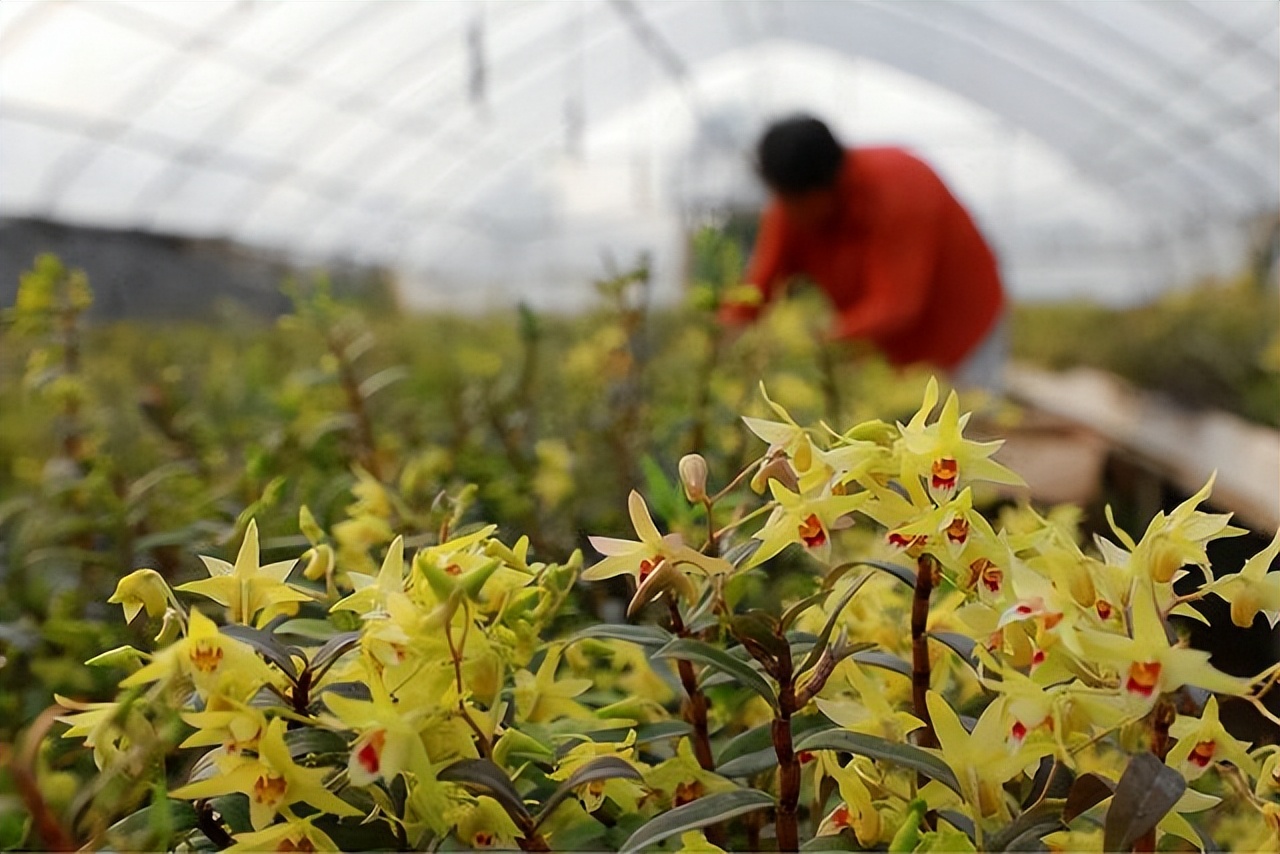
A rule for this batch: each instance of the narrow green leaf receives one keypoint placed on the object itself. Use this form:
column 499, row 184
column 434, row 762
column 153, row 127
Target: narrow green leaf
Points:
column 308, row 628
column 793, row 613
column 811, row 660
column 959, row 644
column 484, row 775
column 717, row 659
column 267, row 646
column 647, row 636
column 1026, row 831
column 874, row 747
column 1087, row 792
column 742, row 754
column 603, row 768
column 333, row 649
column 700, row 813
column 883, row 660
column 1147, row 790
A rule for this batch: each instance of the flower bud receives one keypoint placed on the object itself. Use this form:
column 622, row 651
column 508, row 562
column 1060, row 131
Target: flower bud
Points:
column 319, row 562
column 778, row 468
column 142, row 588
column 693, row 476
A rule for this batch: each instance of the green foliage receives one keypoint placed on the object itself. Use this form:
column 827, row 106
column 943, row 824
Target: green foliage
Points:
column 385, row 641
column 1214, row 345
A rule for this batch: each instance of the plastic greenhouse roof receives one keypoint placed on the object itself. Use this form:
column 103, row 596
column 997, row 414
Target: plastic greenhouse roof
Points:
column 493, row 150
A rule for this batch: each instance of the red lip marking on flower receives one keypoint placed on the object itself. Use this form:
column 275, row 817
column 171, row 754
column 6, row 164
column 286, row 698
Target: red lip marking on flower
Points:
column 958, row 530
column 812, row 532
column 840, row 818
column 1019, row 730
column 648, row 566
column 1104, row 609
column 206, row 656
column 269, row 789
column 1202, row 754
column 1144, row 676
column 453, row 569
column 370, row 755
column 804, row 756
column 944, row 473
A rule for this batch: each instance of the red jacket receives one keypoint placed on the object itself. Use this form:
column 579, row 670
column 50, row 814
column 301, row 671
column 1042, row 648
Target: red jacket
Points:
column 903, row 264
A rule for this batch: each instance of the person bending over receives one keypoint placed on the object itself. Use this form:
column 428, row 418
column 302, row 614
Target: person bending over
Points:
column 901, row 260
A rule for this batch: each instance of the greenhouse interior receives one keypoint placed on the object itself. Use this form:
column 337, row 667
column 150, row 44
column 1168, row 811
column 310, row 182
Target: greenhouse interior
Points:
column 640, row 425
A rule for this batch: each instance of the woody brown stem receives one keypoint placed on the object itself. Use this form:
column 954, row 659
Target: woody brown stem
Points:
column 482, row 740
column 925, row 566
column 786, row 827
column 694, row 707
column 23, row 772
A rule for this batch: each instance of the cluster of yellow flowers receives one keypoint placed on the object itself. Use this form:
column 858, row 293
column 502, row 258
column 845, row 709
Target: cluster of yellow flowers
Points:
column 426, row 703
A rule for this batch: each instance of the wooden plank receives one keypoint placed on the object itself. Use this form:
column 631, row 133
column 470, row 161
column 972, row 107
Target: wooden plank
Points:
column 1188, row 446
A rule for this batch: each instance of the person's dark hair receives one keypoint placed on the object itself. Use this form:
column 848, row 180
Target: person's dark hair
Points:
column 798, row 154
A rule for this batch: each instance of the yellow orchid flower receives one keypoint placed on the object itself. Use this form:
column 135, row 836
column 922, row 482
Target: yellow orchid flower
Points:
column 626, row 793
column 790, row 438
column 295, row 834
column 387, row 740
column 248, row 588
column 540, row 698
column 214, row 662
column 100, row 726
column 236, row 729
column 639, row 558
column 1148, row 665
column 939, row 455
column 982, row 760
column 142, row 588
column 1178, row 539
column 1254, row 588
column 680, row 779
column 856, row 811
column 483, row 823
column 805, row 520
column 1203, row 742
column 371, row 593
column 695, row 842
column 272, row 781
column 871, row 713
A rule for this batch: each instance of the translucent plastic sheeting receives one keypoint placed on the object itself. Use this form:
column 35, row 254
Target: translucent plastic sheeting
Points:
column 492, row 151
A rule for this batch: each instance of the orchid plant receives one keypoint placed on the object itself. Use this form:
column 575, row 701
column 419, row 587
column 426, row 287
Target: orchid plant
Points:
column 934, row 680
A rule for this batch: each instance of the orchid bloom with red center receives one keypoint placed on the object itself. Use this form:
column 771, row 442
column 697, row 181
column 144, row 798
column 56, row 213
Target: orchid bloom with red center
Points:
column 1203, row 742
column 806, row 520
column 938, row 455
column 1148, row 665
column 387, row 740
column 637, row 558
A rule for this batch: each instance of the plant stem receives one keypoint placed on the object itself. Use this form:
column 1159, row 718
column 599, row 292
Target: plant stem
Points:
column 22, row 769
column 694, row 708
column 925, row 566
column 482, row 740
column 786, row 828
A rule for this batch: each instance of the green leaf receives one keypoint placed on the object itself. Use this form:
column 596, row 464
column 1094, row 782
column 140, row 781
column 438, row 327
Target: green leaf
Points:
column 741, row 553
column 1087, row 792
column 961, row 645
column 141, row 825
column 883, row 660
column 793, row 613
column 700, row 813
column 308, row 628
column 603, row 768
column 1025, row 832
column 646, row 636
column 268, row 647
column 333, row 649
column 703, row 653
column 753, row 751
column 314, row 741
column 874, row 747
column 1147, row 790
column 815, row 654
column 489, row 779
